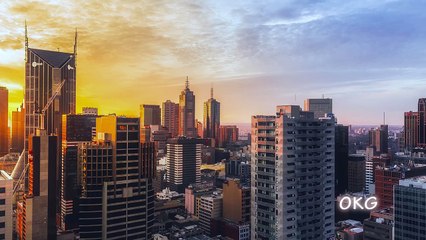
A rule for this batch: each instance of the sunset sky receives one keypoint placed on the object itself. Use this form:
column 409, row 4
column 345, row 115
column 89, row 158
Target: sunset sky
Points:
column 368, row 55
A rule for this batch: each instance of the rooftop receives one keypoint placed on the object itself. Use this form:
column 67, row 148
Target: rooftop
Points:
column 53, row 58
column 417, row 182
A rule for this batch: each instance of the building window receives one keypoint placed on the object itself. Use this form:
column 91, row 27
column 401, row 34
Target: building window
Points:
column 2, row 213
column 2, row 190
column 2, row 201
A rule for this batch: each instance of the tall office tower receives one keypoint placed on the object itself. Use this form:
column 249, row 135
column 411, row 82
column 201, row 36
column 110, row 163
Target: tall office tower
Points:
column 90, row 111
column 263, row 177
column 18, row 120
column 211, row 121
column 387, row 177
column 228, row 134
column 45, row 72
column 38, row 209
column 170, row 117
column 409, row 202
column 319, row 106
column 355, row 173
column 6, row 205
column 76, row 129
column 379, row 138
column 4, row 132
column 341, row 156
column 411, row 130
column 236, row 201
column 421, row 109
column 211, row 207
column 369, row 170
column 183, row 162
column 150, row 115
column 117, row 199
column 187, row 123
column 304, row 174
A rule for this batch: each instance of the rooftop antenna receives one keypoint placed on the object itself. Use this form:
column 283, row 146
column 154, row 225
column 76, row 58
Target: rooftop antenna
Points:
column 323, row 96
column 75, row 48
column 211, row 92
column 187, row 83
column 26, row 40
column 295, row 99
column 384, row 118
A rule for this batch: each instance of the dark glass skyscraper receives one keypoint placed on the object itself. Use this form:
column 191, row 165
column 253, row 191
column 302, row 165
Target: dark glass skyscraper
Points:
column 187, row 125
column 77, row 129
column 117, row 198
column 211, row 118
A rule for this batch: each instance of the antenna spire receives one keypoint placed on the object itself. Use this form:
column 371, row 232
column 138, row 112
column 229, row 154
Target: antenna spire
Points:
column 26, row 40
column 384, row 118
column 211, row 92
column 187, row 83
column 75, row 48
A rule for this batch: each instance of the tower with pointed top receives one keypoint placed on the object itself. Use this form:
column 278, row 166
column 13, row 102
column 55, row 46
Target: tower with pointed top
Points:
column 211, row 117
column 187, row 112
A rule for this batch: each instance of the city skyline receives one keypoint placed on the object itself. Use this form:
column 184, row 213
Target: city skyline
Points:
column 285, row 53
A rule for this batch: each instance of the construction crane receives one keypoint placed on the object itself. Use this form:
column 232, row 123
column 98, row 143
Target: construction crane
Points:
column 49, row 102
column 41, row 128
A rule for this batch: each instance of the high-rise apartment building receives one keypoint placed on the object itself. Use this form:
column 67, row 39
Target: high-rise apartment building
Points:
column 187, row 125
column 410, row 209
column 4, row 132
column 183, row 162
column 170, row 117
column 236, row 201
column 6, row 205
column 77, row 129
column 228, row 134
column 263, row 177
column 341, row 159
column 292, row 175
column 18, row 120
column 117, row 198
column 211, row 121
column 379, row 139
column 150, row 115
column 355, row 173
column 319, row 106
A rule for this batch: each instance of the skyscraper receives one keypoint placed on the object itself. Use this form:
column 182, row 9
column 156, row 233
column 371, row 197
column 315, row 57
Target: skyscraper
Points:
column 355, row 173
column 292, row 175
column 319, row 106
column 411, row 130
column 187, row 125
column 183, row 163
column 170, row 117
column 18, row 120
column 410, row 209
column 263, row 177
column 77, row 129
column 4, row 133
column 40, row 204
column 341, row 159
column 379, row 139
column 421, row 109
column 45, row 71
column 211, row 121
column 150, row 115
column 117, row 198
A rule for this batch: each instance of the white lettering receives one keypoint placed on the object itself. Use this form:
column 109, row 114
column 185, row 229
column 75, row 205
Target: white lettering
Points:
column 342, row 201
column 373, row 203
